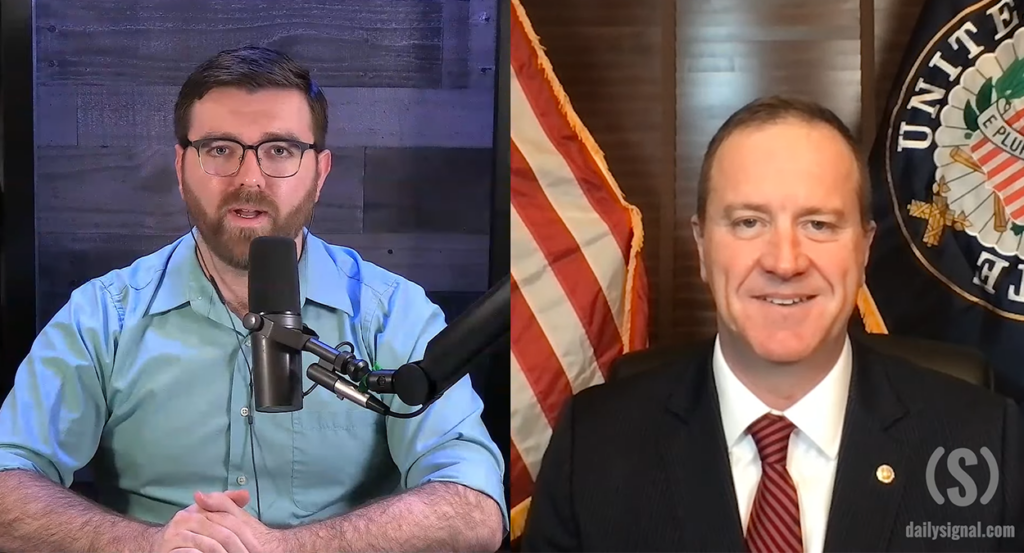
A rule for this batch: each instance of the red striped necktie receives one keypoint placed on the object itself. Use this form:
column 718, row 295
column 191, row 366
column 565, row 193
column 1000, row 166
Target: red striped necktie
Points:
column 774, row 525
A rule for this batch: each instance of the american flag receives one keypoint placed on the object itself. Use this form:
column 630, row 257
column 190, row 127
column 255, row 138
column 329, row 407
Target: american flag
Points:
column 579, row 291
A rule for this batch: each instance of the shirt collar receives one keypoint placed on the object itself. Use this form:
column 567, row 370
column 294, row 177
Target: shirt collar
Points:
column 326, row 278
column 182, row 278
column 818, row 415
column 322, row 277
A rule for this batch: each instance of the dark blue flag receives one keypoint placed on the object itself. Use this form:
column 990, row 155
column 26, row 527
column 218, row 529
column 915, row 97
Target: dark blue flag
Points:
column 947, row 168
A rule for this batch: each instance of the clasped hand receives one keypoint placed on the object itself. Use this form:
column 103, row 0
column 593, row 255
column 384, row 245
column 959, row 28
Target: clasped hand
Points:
column 217, row 523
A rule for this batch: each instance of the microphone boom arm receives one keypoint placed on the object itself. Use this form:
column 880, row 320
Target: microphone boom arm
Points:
column 332, row 368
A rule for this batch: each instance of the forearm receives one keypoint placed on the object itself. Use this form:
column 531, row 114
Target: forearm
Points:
column 440, row 516
column 37, row 515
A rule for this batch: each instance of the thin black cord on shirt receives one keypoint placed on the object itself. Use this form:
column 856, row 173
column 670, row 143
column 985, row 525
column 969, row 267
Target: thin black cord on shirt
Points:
column 249, row 403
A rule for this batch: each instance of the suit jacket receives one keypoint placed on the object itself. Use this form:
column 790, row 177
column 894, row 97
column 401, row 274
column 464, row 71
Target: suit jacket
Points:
column 641, row 463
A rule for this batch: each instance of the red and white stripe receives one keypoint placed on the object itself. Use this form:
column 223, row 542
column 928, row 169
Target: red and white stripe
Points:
column 1003, row 170
column 578, row 286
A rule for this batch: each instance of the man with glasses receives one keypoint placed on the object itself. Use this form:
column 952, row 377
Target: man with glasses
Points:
column 146, row 371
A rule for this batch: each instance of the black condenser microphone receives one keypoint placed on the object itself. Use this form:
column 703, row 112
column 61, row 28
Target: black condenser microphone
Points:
column 449, row 355
column 274, row 294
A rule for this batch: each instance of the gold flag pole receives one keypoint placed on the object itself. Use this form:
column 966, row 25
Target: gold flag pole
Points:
column 873, row 322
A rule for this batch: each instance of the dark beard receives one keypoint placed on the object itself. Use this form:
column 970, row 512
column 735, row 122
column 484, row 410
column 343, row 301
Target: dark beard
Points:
column 231, row 244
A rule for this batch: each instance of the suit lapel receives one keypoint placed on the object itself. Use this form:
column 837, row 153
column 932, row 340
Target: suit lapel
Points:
column 863, row 506
column 695, row 458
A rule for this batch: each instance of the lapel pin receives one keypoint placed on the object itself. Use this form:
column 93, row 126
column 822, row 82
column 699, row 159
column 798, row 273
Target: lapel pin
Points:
column 885, row 474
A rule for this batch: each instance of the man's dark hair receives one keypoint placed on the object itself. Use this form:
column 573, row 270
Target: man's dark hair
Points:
column 773, row 109
column 250, row 68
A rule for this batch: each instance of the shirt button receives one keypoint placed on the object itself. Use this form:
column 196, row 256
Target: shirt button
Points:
column 246, row 341
column 245, row 411
column 241, row 480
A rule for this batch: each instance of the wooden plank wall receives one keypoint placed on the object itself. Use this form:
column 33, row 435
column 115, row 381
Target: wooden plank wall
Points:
column 410, row 85
column 653, row 80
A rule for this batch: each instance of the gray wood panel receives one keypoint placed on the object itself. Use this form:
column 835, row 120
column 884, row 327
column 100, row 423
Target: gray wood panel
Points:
column 129, row 190
column 455, row 44
column 56, row 116
column 469, row 43
column 125, row 115
column 438, row 262
column 427, row 190
column 377, row 43
column 483, row 21
column 402, row 117
column 450, row 262
column 340, row 208
column 135, row 191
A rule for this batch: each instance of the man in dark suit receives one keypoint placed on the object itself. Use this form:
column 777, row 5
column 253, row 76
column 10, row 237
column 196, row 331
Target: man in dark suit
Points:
column 784, row 434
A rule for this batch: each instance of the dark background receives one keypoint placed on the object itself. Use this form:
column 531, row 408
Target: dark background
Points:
column 419, row 137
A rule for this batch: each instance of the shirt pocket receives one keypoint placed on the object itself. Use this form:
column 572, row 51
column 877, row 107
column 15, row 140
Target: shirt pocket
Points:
column 340, row 455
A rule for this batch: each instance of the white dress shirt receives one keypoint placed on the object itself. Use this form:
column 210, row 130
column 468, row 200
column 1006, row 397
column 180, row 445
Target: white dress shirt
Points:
column 813, row 446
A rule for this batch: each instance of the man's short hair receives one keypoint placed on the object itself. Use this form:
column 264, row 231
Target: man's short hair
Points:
column 773, row 109
column 250, row 68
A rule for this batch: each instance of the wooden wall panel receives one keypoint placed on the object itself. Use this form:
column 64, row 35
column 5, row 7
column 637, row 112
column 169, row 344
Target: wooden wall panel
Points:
column 410, row 86
column 124, row 115
column 378, row 43
column 427, row 190
column 894, row 22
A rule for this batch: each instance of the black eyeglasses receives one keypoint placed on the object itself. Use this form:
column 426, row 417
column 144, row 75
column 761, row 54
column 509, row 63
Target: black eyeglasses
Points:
column 222, row 157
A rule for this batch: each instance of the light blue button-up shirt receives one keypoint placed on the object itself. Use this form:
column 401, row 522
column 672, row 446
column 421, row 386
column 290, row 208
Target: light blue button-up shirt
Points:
column 142, row 372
